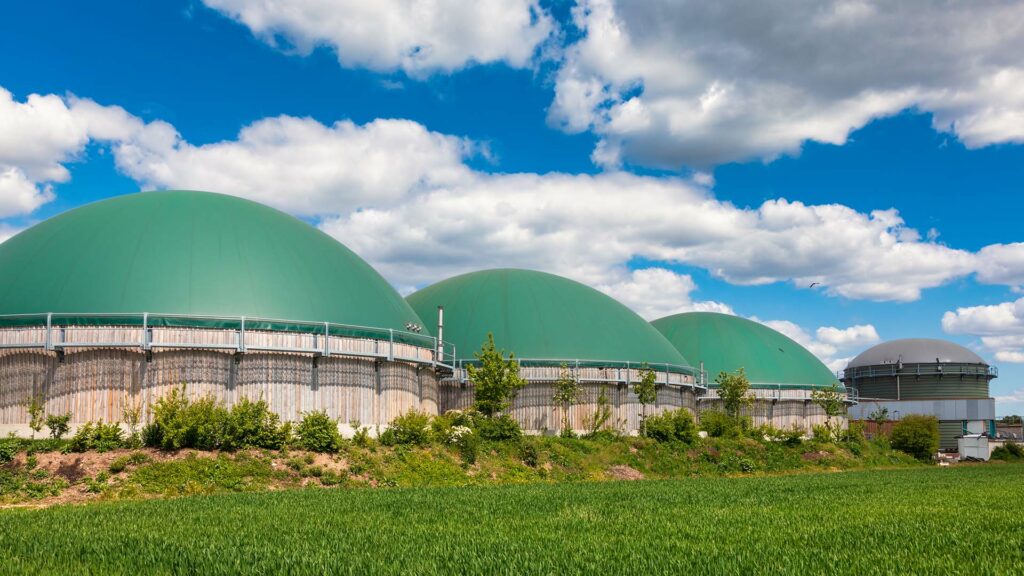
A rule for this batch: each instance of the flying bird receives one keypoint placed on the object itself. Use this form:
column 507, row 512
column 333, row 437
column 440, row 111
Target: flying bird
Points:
column 813, row 284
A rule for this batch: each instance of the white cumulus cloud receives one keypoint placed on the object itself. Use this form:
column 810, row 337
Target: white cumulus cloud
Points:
column 657, row 292
column 835, row 347
column 1000, row 327
column 406, row 199
column 42, row 134
column 416, row 36
column 684, row 82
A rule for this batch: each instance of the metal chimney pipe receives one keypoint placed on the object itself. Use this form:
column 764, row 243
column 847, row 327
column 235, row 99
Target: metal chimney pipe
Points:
column 440, row 333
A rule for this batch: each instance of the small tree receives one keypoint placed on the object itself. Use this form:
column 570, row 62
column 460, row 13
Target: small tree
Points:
column 646, row 393
column 733, row 389
column 917, row 435
column 879, row 416
column 58, row 425
column 831, row 402
column 496, row 380
column 602, row 414
column 36, row 416
column 567, row 393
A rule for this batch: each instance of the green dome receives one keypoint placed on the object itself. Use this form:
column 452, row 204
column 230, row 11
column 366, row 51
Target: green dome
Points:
column 727, row 343
column 192, row 253
column 540, row 317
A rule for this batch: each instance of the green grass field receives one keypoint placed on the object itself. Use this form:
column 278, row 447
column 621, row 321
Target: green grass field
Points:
column 967, row 520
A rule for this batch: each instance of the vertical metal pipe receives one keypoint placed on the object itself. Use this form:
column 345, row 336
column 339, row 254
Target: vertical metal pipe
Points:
column 440, row 333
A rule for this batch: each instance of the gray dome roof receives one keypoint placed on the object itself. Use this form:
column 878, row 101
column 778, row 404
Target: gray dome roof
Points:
column 915, row 351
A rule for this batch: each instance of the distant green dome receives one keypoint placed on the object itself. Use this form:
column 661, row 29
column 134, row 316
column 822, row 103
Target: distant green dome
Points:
column 539, row 317
column 727, row 343
column 192, row 253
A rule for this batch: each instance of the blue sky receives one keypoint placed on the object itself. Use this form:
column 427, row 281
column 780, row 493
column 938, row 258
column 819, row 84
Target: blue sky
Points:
column 658, row 139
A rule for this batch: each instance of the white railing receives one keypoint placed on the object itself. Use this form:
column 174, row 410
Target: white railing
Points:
column 50, row 331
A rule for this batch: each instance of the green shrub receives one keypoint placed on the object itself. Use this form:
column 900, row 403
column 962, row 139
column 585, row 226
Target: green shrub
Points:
column 917, row 435
column 9, row 448
column 719, row 424
column 331, row 478
column 821, row 433
column 412, row 428
column 529, row 454
column 855, row 432
column 181, row 423
column 672, row 425
column 498, row 428
column 318, row 432
column 792, row 436
column 1010, row 452
column 361, row 434
column 204, row 423
column 59, row 424
column 253, row 425
column 469, row 447
column 99, row 437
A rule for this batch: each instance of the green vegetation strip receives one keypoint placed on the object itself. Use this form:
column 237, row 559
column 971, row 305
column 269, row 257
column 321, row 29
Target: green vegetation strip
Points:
column 966, row 520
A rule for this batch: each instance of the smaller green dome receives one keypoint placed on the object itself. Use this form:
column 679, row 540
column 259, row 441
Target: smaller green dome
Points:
column 540, row 317
column 726, row 343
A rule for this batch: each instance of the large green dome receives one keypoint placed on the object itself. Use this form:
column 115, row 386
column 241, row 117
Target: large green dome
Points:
column 539, row 317
column 192, row 253
column 727, row 343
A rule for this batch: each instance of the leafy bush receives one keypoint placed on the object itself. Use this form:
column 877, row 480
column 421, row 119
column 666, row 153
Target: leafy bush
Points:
column 9, row 448
column 253, row 425
column 821, row 433
column 318, row 432
column 672, row 425
column 719, row 424
column 498, row 428
column 99, row 437
column 58, row 425
column 792, row 436
column 855, row 432
column 412, row 428
column 204, row 423
column 1010, row 452
column 361, row 434
column 917, row 435
column 182, row 423
column 469, row 447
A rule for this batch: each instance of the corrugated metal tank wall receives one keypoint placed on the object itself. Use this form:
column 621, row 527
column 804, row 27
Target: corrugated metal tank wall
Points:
column 915, row 387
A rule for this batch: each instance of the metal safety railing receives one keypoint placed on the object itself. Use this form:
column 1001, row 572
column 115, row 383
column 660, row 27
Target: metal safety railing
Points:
column 50, row 331
column 926, row 369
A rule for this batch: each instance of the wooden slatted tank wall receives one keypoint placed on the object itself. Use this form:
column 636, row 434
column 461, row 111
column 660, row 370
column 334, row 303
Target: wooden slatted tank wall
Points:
column 97, row 384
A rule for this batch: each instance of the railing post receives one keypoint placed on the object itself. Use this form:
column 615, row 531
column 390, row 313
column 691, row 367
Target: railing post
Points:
column 145, row 331
column 391, row 344
column 241, row 336
column 327, row 339
column 49, row 330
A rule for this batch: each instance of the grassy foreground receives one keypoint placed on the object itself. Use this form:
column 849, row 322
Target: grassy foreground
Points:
column 967, row 520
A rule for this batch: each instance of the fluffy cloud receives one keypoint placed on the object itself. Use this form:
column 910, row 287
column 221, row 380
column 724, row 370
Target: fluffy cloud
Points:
column 999, row 326
column 40, row 136
column 417, row 36
column 657, row 292
column 833, row 346
column 1002, row 264
column 405, row 198
column 670, row 83
column 302, row 166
